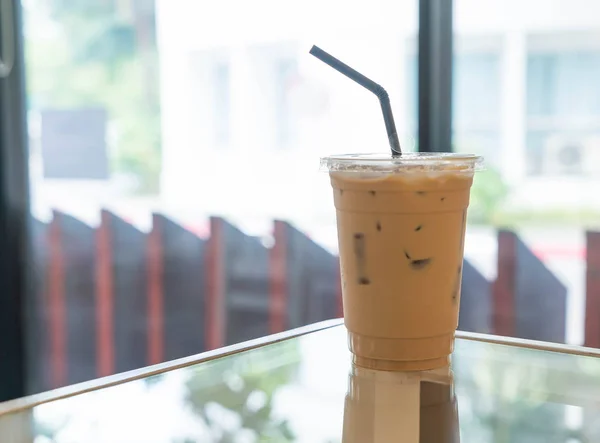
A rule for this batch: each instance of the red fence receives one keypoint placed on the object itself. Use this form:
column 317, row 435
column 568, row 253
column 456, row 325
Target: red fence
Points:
column 529, row 301
column 592, row 305
column 114, row 298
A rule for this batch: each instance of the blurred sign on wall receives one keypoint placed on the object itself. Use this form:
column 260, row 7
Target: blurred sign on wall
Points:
column 73, row 144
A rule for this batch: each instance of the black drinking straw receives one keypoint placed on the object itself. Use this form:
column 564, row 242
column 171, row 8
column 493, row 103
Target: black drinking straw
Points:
column 376, row 89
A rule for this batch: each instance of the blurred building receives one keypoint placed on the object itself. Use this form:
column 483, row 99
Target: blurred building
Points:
column 246, row 112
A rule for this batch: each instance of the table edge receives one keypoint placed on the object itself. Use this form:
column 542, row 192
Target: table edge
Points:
column 24, row 403
column 561, row 348
column 28, row 402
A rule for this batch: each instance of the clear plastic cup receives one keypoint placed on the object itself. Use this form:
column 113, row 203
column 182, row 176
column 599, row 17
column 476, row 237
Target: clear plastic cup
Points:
column 401, row 228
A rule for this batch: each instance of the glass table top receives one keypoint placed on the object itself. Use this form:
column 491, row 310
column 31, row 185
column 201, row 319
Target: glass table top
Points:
column 305, row 390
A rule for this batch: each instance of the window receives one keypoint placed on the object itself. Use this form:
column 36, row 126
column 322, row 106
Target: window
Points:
column 222, row 103
column 476, row 101
column 173, row 240
column 194, row 116
column 286, row 76
column 563, row 112
column 476, row 105
column 526, row 95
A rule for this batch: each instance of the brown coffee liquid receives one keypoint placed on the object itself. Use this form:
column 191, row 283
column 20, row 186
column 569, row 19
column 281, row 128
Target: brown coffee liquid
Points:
column 401, row 240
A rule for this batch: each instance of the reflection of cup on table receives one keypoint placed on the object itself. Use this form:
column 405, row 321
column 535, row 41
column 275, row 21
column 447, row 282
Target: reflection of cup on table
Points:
column 401, row 225
column 439, row 412
column 411, row 407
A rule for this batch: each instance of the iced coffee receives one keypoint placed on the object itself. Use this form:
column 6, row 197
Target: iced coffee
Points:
column 401, row 228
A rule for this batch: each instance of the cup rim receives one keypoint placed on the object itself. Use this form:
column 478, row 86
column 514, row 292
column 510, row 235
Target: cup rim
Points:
column 387, row 162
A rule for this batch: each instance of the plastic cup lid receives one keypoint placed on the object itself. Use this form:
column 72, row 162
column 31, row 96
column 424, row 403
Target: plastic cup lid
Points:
column 408, row 162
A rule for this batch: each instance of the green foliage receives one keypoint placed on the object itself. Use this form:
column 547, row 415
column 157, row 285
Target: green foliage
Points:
column 233, row 381
column 93, row 60
column 113, row 43
column 487, row 195
column 89, row 9
column 488, row 198
column 522, row 401
column 586, row 218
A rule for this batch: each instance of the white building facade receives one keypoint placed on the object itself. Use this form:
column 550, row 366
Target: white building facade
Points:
column 246, row 112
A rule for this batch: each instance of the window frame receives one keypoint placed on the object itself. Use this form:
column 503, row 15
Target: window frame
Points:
column 434, row 76
column 17, row 340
